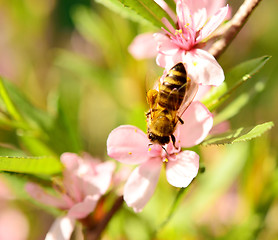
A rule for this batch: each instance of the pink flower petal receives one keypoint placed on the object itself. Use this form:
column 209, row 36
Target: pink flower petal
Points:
column 168, row 25
column 202, row 91
column 128, row 144
column 168, row 48
column 199, row 18
column 61, row 229
column 198, row 122
column 213, row 23
column 70, row 160
column 181, row 172
column 165, row 45
column 183, row 13
column 98, row 181
column 36, row 192
column 143, row 46
column 211, row 6
column 83, row 209
column 203, row 68
column 141, row 184
column 168, row 61
column 71, row 179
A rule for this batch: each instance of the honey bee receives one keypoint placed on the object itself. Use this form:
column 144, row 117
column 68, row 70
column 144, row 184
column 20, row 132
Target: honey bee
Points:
column 168, row 103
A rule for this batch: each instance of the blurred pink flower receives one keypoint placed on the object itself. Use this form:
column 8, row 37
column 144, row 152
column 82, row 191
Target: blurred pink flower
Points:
column 13, row 224
column 11, row 218
column 128, row 144
column 220, row 128
column 196, row 20
column 85, row 180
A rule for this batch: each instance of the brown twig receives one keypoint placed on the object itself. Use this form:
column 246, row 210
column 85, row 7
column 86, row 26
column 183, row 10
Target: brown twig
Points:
column 233, row 27
column 95, row 234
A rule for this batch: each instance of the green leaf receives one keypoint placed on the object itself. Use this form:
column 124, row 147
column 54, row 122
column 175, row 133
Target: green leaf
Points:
column 239, row 135
column 34, row 146
column 81, row 67
column 100, row 31
column 68, row 114
column 91, row 26
column 118, row 8
column 171, row 4
column 234, row 80
column 64, row 134
column 245, row 70
column 214, row 95
column 27, row 110
column 148, row 9
column 31, row 165
column 7, row 150
column 239, row 102
column 8, row 102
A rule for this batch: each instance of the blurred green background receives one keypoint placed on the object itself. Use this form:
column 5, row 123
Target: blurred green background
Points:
column 70, row 60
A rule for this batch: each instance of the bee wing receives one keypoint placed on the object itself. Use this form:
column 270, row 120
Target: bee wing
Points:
column 190, row 93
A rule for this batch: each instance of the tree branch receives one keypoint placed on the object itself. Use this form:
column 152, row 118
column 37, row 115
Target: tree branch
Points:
column 233, row 27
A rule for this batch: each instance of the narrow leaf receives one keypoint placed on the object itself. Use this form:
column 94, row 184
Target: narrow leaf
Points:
column 26, row 109
column 238, row 103
column 148, row 9
column 234, row 80
column 239, row 135
column 128, row 13
column 31, row 165
column 34, row 146
column 8, row 102
column 171, row 4
column 68, row 115
column 245, row 70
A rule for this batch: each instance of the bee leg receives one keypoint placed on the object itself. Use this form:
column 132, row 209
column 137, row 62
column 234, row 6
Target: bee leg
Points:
column 165, row 150
column 181, row 121
column 174, row 141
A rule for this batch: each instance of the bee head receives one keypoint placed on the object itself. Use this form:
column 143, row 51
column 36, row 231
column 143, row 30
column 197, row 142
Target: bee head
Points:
column 161, row 140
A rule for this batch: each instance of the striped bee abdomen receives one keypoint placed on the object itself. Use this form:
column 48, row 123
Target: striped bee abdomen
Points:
column 172, row 90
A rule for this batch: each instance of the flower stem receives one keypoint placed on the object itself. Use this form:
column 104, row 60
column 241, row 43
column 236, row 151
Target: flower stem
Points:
column 233, row 27
column 95, row 233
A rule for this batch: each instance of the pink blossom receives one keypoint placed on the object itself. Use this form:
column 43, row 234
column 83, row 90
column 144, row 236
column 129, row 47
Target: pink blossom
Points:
column 220, row 128
column 143, row 46
column 196, row 20
column 128, row 144
column 13, row 224
column 85, row 180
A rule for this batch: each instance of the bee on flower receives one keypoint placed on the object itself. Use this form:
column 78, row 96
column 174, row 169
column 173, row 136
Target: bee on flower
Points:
column 130, row 145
